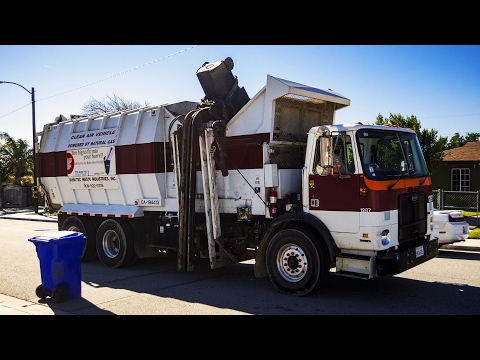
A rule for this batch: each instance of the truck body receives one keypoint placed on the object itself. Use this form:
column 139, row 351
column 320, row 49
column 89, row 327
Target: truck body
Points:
column 233, row 178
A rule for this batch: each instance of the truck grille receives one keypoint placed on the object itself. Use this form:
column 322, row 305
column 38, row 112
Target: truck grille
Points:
column 412, row 216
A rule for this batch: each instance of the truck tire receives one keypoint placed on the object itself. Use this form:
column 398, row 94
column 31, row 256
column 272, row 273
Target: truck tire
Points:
column 86, row 227
column 296, row 265
column 115, row 246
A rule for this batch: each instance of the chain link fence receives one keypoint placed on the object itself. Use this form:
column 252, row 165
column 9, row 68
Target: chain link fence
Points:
column 459, row 200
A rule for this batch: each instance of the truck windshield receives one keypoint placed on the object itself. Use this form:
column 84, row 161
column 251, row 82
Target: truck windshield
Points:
column 390, row 154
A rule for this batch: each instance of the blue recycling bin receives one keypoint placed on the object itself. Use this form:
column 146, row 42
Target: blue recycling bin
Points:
column 60, row 256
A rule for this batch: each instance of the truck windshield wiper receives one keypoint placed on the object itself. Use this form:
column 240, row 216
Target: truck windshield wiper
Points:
column 392, row 185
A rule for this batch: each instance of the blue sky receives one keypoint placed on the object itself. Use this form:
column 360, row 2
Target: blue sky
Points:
column 439, row 84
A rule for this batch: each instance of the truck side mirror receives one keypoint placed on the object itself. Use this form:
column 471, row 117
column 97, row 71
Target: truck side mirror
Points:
column 325, row 161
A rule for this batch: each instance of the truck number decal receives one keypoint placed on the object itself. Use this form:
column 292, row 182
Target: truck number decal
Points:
column 149, row 202
column 365, row 209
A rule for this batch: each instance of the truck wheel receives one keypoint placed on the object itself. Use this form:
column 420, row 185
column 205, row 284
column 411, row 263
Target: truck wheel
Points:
column 115, row 243
column 86, row 227
column 295, row 264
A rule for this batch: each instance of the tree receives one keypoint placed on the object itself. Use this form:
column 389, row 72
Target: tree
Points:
column 411, row 122
column 4, row 170
column 472, row 137
column 113, row 103
column 432, row 147
column 3, row 177
column 17, row 158
column 457, row 140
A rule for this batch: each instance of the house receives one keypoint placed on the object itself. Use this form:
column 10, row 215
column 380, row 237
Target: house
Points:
column 461, row 171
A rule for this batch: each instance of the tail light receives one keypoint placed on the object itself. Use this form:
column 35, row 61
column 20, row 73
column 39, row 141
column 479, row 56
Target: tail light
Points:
column 456, row 219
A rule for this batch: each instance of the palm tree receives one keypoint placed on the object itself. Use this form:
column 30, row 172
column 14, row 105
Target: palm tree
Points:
column 4, row 169
column 17, row 157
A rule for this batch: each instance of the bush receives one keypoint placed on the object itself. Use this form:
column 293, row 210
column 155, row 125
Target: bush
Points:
column 474, row 234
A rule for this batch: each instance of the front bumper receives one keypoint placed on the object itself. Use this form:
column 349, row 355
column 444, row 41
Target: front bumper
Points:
column 398, row 262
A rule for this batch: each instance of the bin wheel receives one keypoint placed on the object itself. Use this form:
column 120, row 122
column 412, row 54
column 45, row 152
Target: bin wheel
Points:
column 40, row 292
column 59, row 294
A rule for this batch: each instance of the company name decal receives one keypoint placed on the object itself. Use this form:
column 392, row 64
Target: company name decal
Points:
column 92, row 168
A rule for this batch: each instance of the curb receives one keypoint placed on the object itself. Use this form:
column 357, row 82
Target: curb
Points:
column 460, row 247
column 29, row 217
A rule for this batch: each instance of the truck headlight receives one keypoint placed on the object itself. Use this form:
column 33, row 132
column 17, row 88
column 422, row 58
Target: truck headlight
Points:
column 385, row 237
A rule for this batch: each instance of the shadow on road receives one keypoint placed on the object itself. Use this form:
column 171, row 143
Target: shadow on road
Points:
column 78, row 303
column 154, row 286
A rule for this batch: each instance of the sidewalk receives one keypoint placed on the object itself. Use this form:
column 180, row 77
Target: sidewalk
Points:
column 467, row 245
column 27, row 213
column 13, row 306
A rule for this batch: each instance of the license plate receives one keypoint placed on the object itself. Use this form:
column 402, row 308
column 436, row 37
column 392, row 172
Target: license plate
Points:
column 419, row 251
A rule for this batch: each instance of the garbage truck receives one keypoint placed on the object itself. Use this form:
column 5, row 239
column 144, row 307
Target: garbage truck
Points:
column 230, row 178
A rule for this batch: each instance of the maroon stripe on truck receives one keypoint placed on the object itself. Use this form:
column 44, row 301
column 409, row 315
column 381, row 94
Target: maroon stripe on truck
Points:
column 242, row 152
column 143, row 158
column 52, row 164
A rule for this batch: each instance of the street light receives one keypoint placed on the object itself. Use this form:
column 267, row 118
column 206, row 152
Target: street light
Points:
column 34, row 189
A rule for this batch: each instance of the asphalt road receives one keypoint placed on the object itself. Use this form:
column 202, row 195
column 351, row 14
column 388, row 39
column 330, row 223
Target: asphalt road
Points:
column 446, row 285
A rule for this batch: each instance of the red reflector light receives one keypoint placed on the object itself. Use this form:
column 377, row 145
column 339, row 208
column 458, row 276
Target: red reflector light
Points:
column 458, row 219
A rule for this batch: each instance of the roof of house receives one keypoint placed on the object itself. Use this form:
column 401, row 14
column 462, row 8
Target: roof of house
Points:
column 468, row 152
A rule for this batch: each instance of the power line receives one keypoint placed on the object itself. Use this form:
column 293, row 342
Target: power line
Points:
column 16, row 110
column 107, row 78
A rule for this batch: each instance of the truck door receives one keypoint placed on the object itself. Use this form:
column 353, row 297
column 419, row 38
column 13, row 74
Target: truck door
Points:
column 334, row 198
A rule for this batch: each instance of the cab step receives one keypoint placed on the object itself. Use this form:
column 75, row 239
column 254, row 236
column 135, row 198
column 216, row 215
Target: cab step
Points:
column 352, row 275
column 355, row 265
